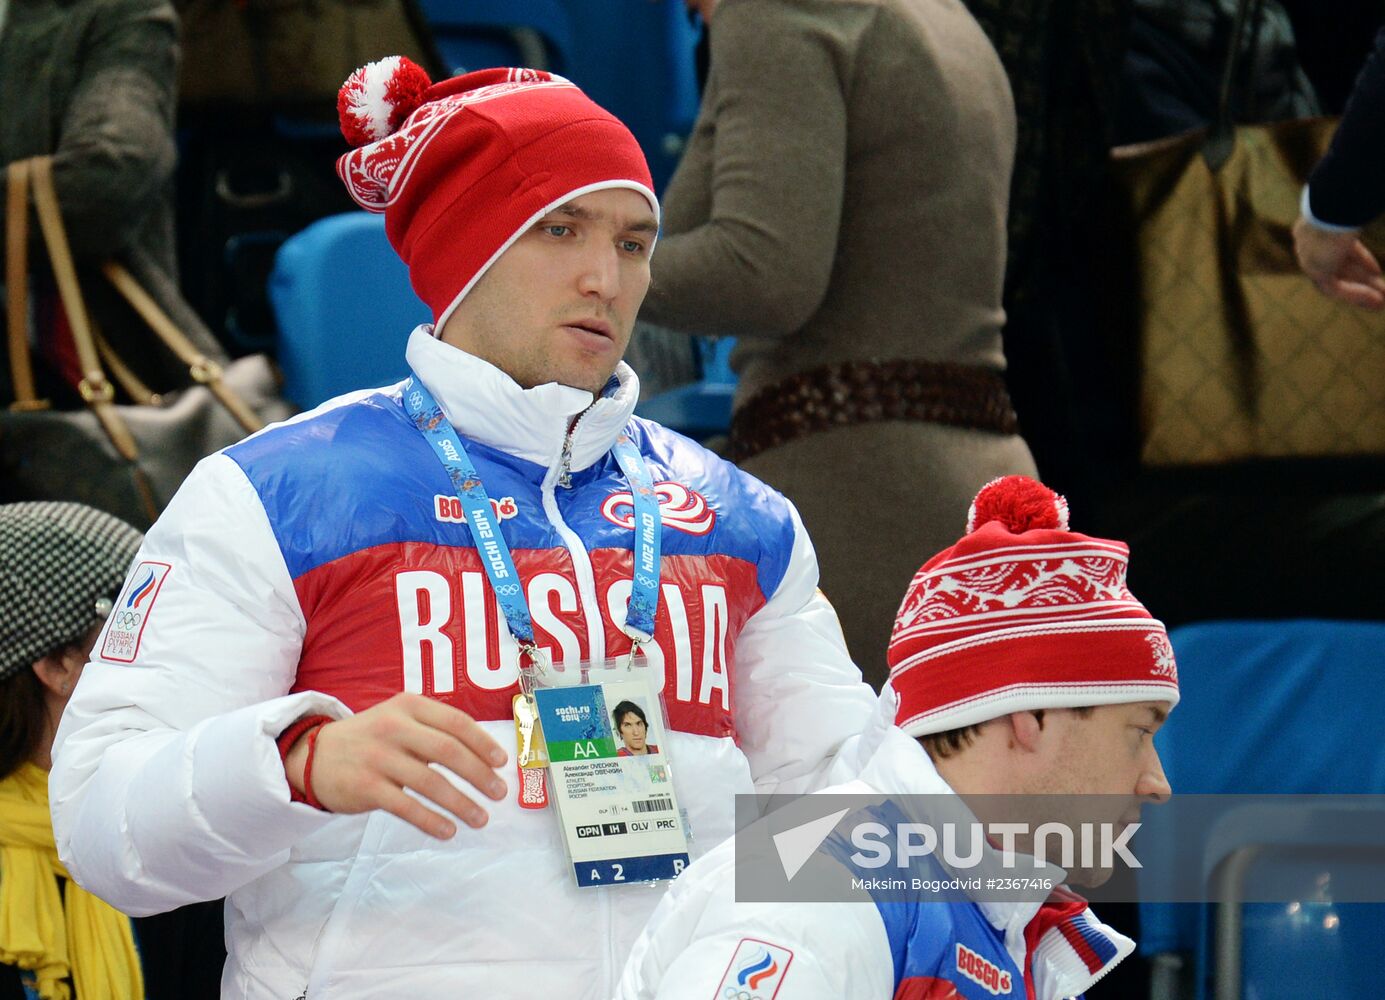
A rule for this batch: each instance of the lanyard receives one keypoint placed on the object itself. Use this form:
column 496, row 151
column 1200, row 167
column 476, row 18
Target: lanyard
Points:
column 499, row 565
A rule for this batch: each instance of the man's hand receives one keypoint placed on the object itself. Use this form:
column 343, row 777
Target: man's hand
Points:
column 366, row 761
column 1340, row 265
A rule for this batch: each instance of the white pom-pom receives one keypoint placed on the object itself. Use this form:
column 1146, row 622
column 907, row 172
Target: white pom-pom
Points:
column 377, row 98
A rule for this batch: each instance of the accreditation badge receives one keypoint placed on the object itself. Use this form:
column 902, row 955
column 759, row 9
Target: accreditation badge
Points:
column 611, row 779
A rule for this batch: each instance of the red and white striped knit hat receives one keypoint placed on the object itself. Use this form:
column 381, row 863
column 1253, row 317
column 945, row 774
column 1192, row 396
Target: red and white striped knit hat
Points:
column 462, row 168
column 1023, row 614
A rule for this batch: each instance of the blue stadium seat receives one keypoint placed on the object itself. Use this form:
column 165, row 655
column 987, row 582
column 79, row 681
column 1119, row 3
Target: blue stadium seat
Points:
column 477, row 34
column 702, row 409
column 1276, row 707
column 344, row 308
column 636, row 58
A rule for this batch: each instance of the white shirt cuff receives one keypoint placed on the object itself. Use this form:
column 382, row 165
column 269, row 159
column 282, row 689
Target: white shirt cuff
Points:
column 1317, row 223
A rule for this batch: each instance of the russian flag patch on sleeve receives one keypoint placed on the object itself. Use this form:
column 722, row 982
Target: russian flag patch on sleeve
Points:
column 756, row 971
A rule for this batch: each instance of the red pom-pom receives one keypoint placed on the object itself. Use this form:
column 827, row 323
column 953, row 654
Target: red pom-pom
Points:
column 375, row 100
column 1019, row 503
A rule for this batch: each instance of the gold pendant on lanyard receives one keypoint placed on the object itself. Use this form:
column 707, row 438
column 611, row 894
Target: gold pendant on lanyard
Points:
column 530, row 750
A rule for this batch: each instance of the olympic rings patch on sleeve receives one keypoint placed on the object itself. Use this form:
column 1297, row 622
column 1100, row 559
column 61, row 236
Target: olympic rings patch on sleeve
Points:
column 132, row 610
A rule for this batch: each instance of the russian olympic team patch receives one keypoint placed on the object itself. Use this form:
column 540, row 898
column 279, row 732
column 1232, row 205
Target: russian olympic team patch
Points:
column 756, row 971
column 132, row 610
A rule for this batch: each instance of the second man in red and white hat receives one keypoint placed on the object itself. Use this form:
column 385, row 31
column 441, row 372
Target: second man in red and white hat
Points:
column 1025, row 678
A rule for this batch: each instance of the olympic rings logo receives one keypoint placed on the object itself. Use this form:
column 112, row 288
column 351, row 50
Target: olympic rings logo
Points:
column 127, row 619
column 507, row 589
column 731, row 993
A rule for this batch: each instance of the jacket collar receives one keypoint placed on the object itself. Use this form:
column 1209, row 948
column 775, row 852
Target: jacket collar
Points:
column 487, row 406
column 1069, row 947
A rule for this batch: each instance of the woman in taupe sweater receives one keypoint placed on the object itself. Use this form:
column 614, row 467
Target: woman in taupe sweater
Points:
column 841, row 209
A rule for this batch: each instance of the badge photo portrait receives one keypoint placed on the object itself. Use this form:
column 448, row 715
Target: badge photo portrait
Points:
column 635, row 730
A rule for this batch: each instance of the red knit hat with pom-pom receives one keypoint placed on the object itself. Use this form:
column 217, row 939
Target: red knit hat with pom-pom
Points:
column 1023, row 614
column 462, row 168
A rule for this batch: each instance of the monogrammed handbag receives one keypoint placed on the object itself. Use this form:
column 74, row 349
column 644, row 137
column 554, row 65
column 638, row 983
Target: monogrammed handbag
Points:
column 1240, row 357
column 125, row 459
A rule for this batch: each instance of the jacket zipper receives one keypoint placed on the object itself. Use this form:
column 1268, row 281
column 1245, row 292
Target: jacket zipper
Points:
column 561, row 476
column 565, row 459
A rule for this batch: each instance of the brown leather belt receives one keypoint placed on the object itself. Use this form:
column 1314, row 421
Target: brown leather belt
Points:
column 862, row 392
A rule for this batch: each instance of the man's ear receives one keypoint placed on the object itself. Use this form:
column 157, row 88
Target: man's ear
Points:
column 58, row 672
column 1026, row 729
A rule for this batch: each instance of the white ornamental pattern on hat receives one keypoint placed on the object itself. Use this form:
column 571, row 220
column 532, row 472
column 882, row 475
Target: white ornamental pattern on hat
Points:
column 1164, row 665
column 375, row 174
column 1015, row 585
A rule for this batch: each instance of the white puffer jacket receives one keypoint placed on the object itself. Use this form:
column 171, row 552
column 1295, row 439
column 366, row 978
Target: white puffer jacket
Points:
column 311, row 568
column 703, row 942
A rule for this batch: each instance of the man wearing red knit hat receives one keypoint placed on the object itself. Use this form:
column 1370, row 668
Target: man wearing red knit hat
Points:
column 323, row 692
column 1025, row 678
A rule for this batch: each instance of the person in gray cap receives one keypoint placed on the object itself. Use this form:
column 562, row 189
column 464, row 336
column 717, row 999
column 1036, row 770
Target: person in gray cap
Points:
column 61, row 565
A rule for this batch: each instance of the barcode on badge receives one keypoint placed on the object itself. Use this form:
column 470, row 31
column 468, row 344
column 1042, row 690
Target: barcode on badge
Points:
column 658, row 805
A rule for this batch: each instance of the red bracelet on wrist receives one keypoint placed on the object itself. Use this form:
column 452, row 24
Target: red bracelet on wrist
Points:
column 287, row 739
column 308, row 795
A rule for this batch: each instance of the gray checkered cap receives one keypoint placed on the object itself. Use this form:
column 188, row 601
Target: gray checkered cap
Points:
column 56, row 561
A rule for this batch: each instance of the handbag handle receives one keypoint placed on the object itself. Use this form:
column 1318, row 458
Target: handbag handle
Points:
column 120, row 371
column 1222, row 138
column 202, row 368
column 16, row 275
column 96, row 391
column 17, row 305
column 94, row 386
column 17, row 287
